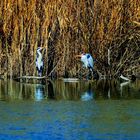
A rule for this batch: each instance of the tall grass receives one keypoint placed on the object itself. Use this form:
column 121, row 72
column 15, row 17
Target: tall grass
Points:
column 65, row 28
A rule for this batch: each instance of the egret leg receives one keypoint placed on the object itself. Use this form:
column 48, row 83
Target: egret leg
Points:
column 80, row 75
column 88, row 75
column 95, row 75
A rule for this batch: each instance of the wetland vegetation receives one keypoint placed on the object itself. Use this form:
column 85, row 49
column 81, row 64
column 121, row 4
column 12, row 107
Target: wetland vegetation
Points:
column 108, row 30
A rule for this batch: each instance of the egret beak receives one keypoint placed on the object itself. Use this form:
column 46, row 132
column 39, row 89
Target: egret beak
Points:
column 41, row 48
column 78, row 56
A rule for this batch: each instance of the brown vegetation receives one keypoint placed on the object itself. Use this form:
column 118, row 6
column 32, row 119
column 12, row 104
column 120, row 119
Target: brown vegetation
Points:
column 108, row 29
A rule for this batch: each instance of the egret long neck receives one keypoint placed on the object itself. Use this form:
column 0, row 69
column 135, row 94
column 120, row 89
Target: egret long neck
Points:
column 39, row 54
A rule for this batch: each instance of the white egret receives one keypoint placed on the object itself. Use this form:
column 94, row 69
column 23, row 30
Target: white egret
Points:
column 88, row 62
column 39, row 61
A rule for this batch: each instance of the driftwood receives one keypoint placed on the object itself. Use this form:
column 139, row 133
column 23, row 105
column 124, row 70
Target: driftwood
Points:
column 31, row 77
column 70, row 79
column 124, row 78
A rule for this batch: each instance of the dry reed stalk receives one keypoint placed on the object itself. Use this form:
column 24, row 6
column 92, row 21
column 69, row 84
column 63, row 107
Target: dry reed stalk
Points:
column 65, row 28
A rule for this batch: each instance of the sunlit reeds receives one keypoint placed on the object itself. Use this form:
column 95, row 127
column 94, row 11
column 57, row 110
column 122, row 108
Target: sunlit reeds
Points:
column 65, row 28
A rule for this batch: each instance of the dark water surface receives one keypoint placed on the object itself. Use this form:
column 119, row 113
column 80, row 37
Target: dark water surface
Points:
column 104, row 110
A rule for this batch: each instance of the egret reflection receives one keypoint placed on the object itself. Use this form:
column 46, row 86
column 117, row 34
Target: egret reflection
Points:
column 39, row 93
column 59, row 90
column 87, row 95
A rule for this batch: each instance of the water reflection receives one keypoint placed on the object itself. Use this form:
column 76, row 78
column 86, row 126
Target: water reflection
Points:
column 122, row 85
column 58, row 90
column 66, row 115
column 39, row 92
column 87, row 95
column 50, row 90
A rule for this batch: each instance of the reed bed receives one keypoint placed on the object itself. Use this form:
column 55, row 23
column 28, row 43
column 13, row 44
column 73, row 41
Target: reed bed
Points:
column 108, row 29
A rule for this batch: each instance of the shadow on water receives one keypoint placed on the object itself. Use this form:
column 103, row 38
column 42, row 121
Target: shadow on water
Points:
column 50, row 90
column 59, row 90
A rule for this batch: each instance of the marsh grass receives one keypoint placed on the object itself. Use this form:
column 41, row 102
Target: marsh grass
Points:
column 65, row 28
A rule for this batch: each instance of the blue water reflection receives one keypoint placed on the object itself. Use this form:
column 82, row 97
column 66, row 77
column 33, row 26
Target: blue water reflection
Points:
column 59, row 90
column 39, row 92
column 87, row 95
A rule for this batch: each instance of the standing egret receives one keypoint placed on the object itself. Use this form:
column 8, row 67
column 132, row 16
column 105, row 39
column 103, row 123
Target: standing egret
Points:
column 39, row 61
column 88, row 62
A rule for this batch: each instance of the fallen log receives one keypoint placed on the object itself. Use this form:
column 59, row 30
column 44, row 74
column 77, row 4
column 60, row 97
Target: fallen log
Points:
column 124, row 78
column 70, row 79
column 31, row 77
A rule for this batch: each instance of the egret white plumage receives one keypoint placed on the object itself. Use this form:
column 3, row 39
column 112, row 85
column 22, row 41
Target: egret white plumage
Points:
column 39, row 61
column 88, row 62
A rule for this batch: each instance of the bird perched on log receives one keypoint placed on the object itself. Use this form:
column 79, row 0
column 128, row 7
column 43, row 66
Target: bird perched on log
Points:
column 39, row 61
column 88, row 62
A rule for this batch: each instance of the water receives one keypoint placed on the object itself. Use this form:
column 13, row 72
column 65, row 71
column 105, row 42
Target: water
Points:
column 106, row 110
